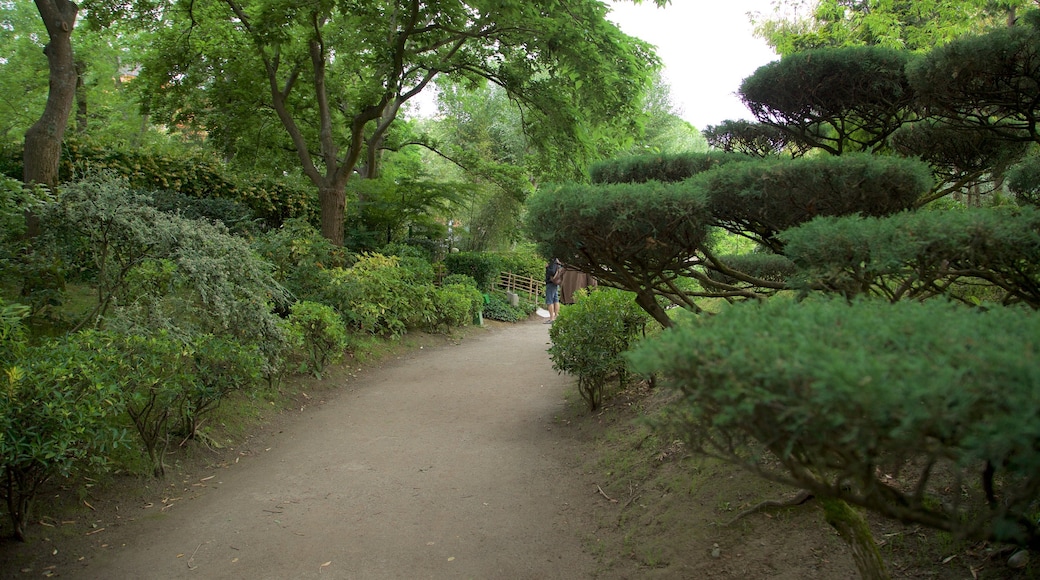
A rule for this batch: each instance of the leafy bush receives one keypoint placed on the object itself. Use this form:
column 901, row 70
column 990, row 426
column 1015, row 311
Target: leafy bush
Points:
column 219, row 367
column 482, row 267
column 302, row 258
column 456, row 305
column 235, row 216
column 463, row 279
column 842, row 395
column 495, row 308
column 58, row 402
column 590, row 337
column 384, row 295
column 318, row 330
column 525, row 262
column 155, row 377
column 155, row 266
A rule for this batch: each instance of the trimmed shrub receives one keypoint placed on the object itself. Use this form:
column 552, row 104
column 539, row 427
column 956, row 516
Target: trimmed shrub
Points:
column 456, row 305
column 841, row 395
column 664, row 168
column 495, row 308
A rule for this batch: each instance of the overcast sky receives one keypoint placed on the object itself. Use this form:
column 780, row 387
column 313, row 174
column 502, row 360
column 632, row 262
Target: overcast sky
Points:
column 707, row 48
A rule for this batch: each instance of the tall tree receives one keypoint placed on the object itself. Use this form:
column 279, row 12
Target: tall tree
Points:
column 335, row 74
column 43, row 140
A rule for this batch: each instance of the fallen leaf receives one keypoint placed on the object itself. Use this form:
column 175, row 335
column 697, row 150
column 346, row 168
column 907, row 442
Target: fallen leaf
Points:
column 451, row 559
column 329, row 563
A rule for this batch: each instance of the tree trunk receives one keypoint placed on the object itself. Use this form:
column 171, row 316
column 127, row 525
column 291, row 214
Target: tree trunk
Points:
column 648, row 302
column 854, row 531
column 43, row 140
column 333, row 212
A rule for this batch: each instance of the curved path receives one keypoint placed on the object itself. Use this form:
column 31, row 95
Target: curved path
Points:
column 445, row 463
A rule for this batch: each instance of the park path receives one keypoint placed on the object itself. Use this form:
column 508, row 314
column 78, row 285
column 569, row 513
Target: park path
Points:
column 444, row 463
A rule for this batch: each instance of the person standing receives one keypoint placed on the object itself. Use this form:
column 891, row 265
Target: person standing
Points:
column 553, row 277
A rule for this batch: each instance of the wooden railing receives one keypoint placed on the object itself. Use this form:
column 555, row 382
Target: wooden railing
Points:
column 523, row 286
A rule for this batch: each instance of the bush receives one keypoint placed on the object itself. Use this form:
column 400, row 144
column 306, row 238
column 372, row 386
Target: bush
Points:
column 220, row 366
column 456, row 305
column 495, row 308
column 482, row 267
column 590, row 337
column 463, row 279
column 318, row 330
column 58, row 404
column 664, row 168
column 842, row 395
column 385, row 295
column 302, row 259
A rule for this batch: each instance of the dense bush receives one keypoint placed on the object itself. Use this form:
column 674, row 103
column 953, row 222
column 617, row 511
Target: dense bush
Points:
column 495, row 308
column 523, row 262
column 235, row 216
column 482, row 267
column 384, row 295
column 464, row 279
column 302, row 258
column 590, row 337
column 665, row 168
column 188, row 276
column 57, row 404
column 318, row 331
column 456, row 305
column 219, row 367
column 842, row 395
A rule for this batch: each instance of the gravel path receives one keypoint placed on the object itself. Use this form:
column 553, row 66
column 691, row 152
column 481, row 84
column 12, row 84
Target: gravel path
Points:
column 442, row 464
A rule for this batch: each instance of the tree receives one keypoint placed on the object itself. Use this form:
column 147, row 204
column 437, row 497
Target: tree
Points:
column 753, row 139
column 335, row 75
column 43, row 140
column 985, row 82
column 837, row 100
column 915, row 26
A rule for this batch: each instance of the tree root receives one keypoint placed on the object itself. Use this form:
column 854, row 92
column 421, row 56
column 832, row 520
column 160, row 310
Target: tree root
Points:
column 797, row 499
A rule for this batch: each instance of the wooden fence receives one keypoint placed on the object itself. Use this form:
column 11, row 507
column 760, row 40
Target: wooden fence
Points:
column 529, row 288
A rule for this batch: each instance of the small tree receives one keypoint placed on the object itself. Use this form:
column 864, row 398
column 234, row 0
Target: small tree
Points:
column 590, row 338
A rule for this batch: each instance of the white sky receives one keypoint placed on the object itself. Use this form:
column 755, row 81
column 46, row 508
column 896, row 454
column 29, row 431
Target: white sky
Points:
column 707, row 48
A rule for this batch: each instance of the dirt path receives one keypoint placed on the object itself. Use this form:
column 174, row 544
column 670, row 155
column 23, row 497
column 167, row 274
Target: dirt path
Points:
column 443, row 464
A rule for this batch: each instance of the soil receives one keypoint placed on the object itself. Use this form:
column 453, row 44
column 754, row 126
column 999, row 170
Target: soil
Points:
column 465, row 457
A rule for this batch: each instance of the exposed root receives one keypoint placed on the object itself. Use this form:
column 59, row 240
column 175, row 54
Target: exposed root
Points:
column 797, row 499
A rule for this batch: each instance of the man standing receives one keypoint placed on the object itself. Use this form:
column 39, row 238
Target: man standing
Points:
column 553, row 277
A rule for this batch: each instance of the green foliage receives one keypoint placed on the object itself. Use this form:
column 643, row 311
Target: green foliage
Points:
column 462, row 279
column 200, row 278
column 191, row 174
column 318, row 330
column 840, row 395
column 155, row 377
column 57, row 404
column 985, row 81
column 234, row 215
column 752, row 139
column 302, row 259
column 759, row 199
column 220, row 366
column 456, row 305
column 836, row 99
column 523, row 261
column 384, row 295
column 481, row 266
column 632, row 236
column 661, row 167
column 1024, row 180
column 590, row 337
column 761, row 265
column 920, row 255
column 496, row 308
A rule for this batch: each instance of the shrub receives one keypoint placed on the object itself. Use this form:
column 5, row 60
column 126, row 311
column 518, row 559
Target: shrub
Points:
column 220, row 366
column 664, row 168
column 385, row 295
column 456, row 305
column 58, row 402
column 482, row 267
column 464, row 279
column 842, row 395
column 590, row 337
column 302, row 258
column 495, row 308
column 318, row 330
